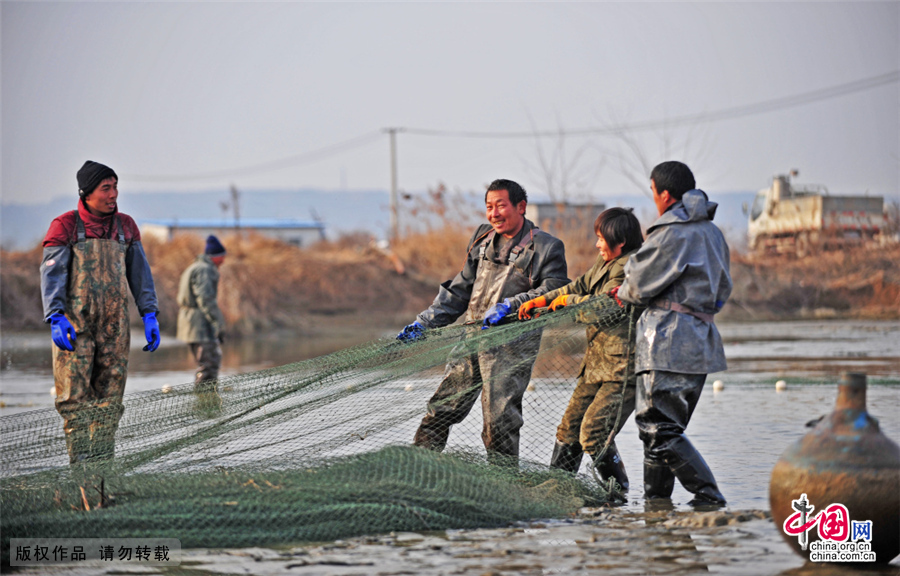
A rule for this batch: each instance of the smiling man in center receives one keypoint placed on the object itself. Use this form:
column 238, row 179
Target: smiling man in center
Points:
column 508, row 262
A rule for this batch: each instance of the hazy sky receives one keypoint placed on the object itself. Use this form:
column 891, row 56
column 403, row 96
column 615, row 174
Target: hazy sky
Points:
column 167, row 92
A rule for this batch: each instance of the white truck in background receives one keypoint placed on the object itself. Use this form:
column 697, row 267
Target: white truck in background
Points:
column 793, row 219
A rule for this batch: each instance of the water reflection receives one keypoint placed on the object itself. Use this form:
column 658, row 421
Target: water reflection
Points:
column 741, row 430
column 26, row 372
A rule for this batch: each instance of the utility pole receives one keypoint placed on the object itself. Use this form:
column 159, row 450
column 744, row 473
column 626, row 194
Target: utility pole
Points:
column 395, row 225
column 235, row 205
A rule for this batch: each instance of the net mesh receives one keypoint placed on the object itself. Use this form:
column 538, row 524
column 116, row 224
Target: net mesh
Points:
column 310, row 451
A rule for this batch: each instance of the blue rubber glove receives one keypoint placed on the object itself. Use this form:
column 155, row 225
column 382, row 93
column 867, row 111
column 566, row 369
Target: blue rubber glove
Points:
column 411, row 333
column 496, row 313
column 62, row 332
column 151, row 332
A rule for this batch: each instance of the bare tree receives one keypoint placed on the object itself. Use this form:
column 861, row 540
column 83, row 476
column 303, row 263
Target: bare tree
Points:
column 439, row 208
column 634, row 158
column 566, row 174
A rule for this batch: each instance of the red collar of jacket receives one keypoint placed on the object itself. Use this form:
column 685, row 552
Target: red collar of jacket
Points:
column 97, row 226
column 63, row 230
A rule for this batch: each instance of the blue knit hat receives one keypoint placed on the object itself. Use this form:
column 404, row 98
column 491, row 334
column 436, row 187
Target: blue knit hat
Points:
column 214, row 247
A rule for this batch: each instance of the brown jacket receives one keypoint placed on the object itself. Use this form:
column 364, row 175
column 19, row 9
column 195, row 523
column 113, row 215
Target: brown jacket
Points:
column 608, row 348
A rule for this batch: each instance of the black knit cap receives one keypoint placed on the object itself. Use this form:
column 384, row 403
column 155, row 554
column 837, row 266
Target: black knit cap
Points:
column 91, row 175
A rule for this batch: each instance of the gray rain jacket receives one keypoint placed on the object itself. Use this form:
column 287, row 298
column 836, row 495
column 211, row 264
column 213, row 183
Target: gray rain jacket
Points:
column 543, row 262
column 685, row 262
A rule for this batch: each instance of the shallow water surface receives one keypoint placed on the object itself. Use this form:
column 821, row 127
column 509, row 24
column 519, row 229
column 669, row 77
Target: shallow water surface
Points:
column 741, row 431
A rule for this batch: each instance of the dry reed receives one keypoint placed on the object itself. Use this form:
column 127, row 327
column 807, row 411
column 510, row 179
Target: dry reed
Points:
column 267, row 284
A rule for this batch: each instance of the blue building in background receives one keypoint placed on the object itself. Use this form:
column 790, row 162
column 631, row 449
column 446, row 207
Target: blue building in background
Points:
column 297, row 232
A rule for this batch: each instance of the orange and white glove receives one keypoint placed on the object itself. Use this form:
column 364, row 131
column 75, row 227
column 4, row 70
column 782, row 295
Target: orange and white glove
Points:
column 560, row 302
column 526, row 308
column 614, row 294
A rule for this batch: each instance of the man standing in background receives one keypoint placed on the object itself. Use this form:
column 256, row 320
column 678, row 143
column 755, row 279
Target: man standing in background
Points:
column 92, row 256
column 681, row 274
column 200, row 321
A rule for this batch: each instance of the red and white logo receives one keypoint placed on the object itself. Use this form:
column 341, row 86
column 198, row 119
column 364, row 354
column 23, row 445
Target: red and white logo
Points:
column 840, row 539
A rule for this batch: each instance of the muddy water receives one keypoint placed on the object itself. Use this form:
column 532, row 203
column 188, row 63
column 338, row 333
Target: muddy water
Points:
column 741, row 431
column 758, row 353
column 26, row 374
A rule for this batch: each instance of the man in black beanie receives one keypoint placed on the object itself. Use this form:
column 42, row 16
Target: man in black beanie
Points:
column 200, row 321
column 91, row 175
column 92, row 257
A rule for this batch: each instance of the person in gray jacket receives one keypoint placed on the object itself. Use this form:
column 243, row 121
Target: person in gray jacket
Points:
column 508, row 262
column 682, row 274
column 200, row 321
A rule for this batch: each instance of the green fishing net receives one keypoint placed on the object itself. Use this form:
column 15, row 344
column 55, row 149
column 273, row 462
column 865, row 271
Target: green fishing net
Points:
column 311, row 451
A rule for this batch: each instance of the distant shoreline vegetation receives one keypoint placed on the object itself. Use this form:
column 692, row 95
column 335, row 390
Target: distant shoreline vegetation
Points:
column 342, row 211
column 267, row 284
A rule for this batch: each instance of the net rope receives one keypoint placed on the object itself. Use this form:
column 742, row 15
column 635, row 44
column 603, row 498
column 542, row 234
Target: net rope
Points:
column 310, row 451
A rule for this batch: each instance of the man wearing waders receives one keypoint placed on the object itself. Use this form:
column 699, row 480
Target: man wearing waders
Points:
column 200, row 321
column 601, row 388
column 92, row 257
column 681, row 274
column 508, row 262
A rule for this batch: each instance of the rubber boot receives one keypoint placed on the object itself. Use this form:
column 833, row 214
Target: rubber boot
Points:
column 103, row 441
column 104, row 423
column 76, row 426
column 501, row 445
column 694, row 474
column 495, row 458
column 566, row 457
column 611, row 466
column 78, row 445
column 659, row 481
column 432, row 438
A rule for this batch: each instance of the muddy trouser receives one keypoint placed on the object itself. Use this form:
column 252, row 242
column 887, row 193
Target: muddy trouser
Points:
column 501, row 375
column 90, row 384
column 208, row 356
column 665, row 403
column 592, row 412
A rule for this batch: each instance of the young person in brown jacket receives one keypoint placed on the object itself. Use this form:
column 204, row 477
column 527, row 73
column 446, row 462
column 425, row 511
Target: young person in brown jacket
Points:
column 594, row 406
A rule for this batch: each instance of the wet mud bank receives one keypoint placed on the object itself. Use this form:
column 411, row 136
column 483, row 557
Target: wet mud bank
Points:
column 613, row 541
column 607, row 541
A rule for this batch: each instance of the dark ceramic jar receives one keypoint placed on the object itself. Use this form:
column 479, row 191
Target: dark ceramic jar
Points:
column 844, row 459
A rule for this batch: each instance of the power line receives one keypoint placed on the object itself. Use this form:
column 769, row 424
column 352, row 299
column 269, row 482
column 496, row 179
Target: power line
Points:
column 724, row 114
column 272, row 165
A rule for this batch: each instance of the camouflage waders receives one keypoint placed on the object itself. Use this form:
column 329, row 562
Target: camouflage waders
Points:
column 500, row 374
column 208, row 356
column 592, row 411
column 90, row 381
column 594, row 406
